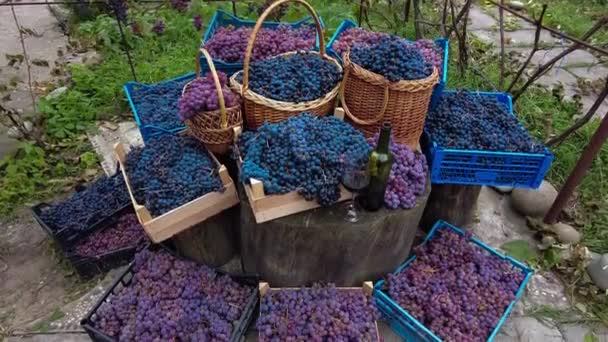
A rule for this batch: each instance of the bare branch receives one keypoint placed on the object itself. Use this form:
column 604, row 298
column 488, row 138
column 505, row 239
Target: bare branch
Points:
column 456, row 20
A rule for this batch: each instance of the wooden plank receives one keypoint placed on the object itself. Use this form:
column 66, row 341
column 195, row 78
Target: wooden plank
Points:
column 257, row 188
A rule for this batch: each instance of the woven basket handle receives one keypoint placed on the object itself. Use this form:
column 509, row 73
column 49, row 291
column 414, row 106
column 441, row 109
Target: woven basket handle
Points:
column 216, row 80
column 345, row 106
column 258, row 26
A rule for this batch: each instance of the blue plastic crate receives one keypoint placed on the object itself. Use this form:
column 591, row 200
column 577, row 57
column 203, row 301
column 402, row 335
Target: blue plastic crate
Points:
column 223, row 18
column 408, row 327
column 443, row 42
column 475, row 167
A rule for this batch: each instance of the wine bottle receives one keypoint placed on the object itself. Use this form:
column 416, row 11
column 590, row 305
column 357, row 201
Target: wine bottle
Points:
column 380, row 163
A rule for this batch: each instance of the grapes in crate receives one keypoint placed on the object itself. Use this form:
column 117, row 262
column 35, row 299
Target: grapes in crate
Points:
column 170, row 299
column 469, row 121
column 157, row 104
column 171, row 171
column 99, row 200
column 228, row 44
column 126, row 233
column 304, row 153
column 295, row 78
column 320, row 313
column 455, row 288
column 201, row 96
column 407, row 180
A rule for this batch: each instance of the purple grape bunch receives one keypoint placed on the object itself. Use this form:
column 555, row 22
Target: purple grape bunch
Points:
column 99, row 200
column 431, row 52
column 455, row 288
column 202, row 96
column 197, row 22
column 170, row 299
column 471, row 121
column 319, row 313
column 299, row 77
column 392, row 58
column 126, row 233
column 408, row 178
column 170, row 171
column 229, row 43
column 180, row 5
column 159, row 27
column 356, row 36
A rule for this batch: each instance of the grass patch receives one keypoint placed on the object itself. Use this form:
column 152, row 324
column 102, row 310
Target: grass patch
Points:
column 45, row 325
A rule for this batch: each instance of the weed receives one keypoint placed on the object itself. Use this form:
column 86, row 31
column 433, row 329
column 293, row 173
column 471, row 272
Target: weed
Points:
column 45, row 325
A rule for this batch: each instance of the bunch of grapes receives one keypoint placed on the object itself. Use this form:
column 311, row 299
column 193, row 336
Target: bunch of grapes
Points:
column 201, row 96
column 171, row 171
column 455, row 288
column 120, row 7
column 295, row 78
column 169, row 299
column 99, row 200
column 158, row 104
column 229, row 43
column 356, row 36
column 431, row 52
column 159, row 27
column 197, row 21
column 180, row 5
column 125, row 234
column 466, row 120
column 303, row 153
column 277, row 13
column 320, row 313
column 408, row 176
column 392, row 58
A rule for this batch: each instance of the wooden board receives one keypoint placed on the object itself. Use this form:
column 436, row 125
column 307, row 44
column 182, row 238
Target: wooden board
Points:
column 181, row 218
column 269, row 207
column 367, row 288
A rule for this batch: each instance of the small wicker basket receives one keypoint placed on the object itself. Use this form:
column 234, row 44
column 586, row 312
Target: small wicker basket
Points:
column 258, row 108
column 213, row 128
column 369, row 99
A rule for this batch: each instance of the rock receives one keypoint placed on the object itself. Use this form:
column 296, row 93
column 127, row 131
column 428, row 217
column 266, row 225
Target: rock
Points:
column 598, row 271
column 15, row 133
column 573, row 332
column 527, row 329
column 516, row 5
column 93, row 59
column 56, row 93
column 547, row 242
column 566, row 233
column 545, row 289
column 534, row 202
column 503, row 189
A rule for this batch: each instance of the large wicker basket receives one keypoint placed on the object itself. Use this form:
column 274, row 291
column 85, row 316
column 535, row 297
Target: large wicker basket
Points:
column 258, row 108
column 369, row 99
column 214, row 128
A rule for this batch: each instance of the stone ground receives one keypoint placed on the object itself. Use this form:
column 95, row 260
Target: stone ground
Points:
column 40, row 300
column 579, row 67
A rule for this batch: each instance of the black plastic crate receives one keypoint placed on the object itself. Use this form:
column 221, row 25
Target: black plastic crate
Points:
column 88, row 267
column 238, row 333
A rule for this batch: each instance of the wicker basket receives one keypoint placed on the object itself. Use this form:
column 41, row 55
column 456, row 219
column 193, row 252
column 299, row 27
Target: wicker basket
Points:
column 258, row 108
column 369, row 99
column 213, row 128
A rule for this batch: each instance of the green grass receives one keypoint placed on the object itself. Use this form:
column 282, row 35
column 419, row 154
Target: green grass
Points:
column 45, row 325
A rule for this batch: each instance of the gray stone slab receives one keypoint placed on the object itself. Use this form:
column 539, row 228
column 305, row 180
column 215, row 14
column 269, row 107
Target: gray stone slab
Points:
column 519, row 38
column 577, row 332
column 7, row 145
column 54, row 337
column 480, row 20
column 527, row 329
column 556, row 76
column 591, row 73
column 545, row 288
column 589, row 100
column 576, row 57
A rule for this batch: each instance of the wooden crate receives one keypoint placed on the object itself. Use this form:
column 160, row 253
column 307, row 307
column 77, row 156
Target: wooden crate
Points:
column 269, row 207
column 367, row 288
column 181, row 218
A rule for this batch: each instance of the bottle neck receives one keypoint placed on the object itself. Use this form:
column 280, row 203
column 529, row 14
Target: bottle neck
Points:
column 384, row 140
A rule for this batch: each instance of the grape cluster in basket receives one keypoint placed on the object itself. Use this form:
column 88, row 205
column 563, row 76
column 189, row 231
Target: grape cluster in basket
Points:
column 431, row 52
column 467, row 120
column 201, row 96
column 392, row 58
column 407, row 179
column 170, row 299
column 158, row 104
column 303, row 153
column 455, row 288
column 229, row 43
column 84, row 208
column 171, row 171
column 126, row 233
column 320, row 313
column 294, row 78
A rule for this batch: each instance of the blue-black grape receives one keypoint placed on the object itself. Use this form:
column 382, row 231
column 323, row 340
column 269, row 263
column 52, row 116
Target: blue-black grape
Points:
column 170, row 171
column 455, row 288
column 99, row 200
column 304, row 153
column 169, row 299
column 157, row 104
column 294, row 78
column 320, row 313
column 470, row 121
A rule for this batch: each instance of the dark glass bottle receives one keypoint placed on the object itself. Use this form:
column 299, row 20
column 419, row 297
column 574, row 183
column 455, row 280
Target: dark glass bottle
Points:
column 380, row 163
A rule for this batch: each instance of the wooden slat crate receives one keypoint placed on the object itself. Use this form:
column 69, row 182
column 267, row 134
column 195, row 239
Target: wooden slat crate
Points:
column 181, row 218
